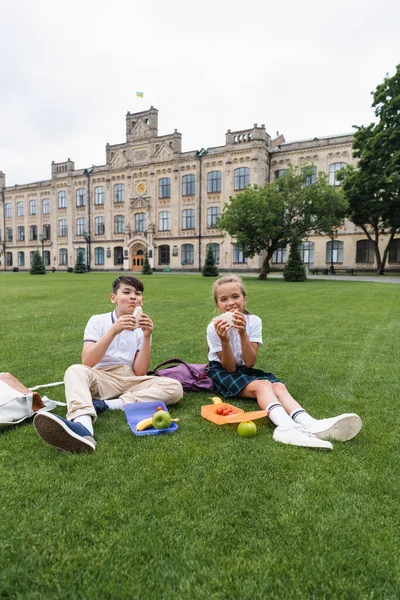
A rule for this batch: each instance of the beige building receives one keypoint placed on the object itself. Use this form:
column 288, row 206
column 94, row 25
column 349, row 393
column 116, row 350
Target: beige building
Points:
column 151, row 196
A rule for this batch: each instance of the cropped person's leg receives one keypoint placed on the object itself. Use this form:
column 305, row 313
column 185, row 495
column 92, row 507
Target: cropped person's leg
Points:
column 150, row 389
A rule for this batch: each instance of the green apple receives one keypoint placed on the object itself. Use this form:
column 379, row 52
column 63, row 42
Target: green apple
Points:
column 247, row 429
column 161, row 419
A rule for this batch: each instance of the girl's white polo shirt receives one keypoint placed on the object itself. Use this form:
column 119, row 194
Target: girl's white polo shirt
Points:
column 254, row 331
column 123, row 348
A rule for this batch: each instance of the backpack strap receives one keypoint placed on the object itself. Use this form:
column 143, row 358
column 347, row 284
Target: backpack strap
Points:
column 171, row 362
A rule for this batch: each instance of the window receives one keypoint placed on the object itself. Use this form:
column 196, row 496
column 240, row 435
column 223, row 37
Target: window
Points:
column 215, row 250
column 163, row 255
column 33, row 233
column 46, row 258
column 187, row 254
column 31, row 255
column 310, row 179
column 32, row 207
column 140, row 222
column 279, row 256
column 214, row 182
column 118, row 255
column 62, row 228
column 63, row 257
column 279, row 173
column 20, row 209
column 164, row 187
column 21, row 259
column 81, row 252
column 9, row 234
column 164, row 220
column 119, row 190
column 307, row 252
column 238, row 255
column 333, row 169
column 21, row 233
column 99, row 256
column 8, row 211
column 188, row 185
column 99, row 195
column 47, row 232
column 213, row 214
column 365, row 252
column 62, row 199
column 119, row 224
column 46, row 206
column 99, row 226
column 334, row 252
column 80, row 197
column 9, row 259
column 242, row 178
column 188, row 218
column 81, row 226
column 394, row 251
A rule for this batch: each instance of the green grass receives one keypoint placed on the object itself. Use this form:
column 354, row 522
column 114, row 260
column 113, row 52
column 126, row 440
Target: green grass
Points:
column 204, row 514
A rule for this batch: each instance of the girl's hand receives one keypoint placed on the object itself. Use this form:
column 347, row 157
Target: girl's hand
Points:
column 222, row 328
column 146, row 325
column 239, row 322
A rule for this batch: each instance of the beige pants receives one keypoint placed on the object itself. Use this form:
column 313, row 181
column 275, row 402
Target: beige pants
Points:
column 82, row 384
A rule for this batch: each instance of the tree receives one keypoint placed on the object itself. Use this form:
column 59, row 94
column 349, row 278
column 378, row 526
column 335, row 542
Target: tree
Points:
column 147, row 270
column 294, row 269
column 373, row 189
column 80, row 265
column 209, row 269
column 37, row 267
column 264, row 219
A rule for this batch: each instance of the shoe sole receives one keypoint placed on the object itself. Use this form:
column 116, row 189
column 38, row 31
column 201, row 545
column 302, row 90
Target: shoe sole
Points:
column 343, row 430
column 55, row 433
column 305, row 444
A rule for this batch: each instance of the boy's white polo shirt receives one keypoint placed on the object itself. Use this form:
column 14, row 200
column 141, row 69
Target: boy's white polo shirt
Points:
column 123, row 348
column 254, row 331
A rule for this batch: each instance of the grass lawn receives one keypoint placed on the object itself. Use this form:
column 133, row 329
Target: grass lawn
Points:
column 202, row 513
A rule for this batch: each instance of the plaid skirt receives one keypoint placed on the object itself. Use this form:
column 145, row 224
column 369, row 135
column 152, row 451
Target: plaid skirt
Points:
column 231, row 384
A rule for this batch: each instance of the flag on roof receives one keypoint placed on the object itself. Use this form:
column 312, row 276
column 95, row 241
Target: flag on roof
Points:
column 140, row 94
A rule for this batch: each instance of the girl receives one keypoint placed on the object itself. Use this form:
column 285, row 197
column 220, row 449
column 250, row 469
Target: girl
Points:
column 232, row 355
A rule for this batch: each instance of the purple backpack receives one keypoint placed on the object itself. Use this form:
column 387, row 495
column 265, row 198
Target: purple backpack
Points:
column 192, row 377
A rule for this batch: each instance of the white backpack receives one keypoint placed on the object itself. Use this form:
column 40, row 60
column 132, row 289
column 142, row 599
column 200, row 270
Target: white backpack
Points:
column 18, row 403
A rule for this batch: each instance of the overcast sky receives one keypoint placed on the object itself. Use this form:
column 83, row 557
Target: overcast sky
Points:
column 69, row 72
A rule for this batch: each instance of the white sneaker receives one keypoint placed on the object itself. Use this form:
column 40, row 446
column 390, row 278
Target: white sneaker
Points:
column 298, row 436
column 342, row 428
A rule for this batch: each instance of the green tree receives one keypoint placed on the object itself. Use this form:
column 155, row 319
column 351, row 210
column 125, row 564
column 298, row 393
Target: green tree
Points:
column 294, row 269
column 37, row 267
column 264, row 219
column 209, row 269
column 373, row 189
column 80, row 265
column 147, row 270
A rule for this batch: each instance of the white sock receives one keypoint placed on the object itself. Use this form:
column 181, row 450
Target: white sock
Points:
column 86, row 421
column 279, row 416
column 116, row 404
column 299, row 415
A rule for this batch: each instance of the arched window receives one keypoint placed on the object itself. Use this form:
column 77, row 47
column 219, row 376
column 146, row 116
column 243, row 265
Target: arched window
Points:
column 164, row 220
column 164, row 187
column 279, row 256
column 214, row 182
column 187, row 253
column 119, row 224
column 80, row 197
column 81, row 226
column 62, row 228
column 279, row 173
column 47, row 231
column 31, row 255
column 32, row 207
column 365, row 252
column 311, row 178
column 216, row 252
column 118, row 256
column 334, row 252
column 333, row 169
column 99, row 226
column 46, row 258
column 62, row 199
column 188, row 218
column 307, row 252
column 242, row 178
column 394, row 251
column 238, row 254
column 81, row 252
column 213, row 214
column 33, row 233
column 99, row 195
column 163, row 255
column 188, row 185
column 21, row 259
column 9, row 259
column 8, row 211
column 99, row 256
column 63, row 257
column 20, row 209
column 21, row 233
column 140, row 222
column 119, row 190
column 46, row 206
column 9, row 234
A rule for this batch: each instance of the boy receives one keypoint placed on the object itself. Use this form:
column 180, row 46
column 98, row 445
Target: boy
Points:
column 115, row 360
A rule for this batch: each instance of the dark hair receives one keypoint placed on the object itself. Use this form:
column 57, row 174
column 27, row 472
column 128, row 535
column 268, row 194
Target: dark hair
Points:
column 128, row 280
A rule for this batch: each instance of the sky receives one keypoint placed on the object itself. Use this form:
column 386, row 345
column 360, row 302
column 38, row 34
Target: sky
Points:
column 69, row 72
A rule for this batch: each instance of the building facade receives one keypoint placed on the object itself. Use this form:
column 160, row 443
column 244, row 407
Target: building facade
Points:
column 150, row 196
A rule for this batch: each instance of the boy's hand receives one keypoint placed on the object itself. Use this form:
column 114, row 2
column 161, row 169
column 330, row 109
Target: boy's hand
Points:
column 126, row 322
column 146, row 325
